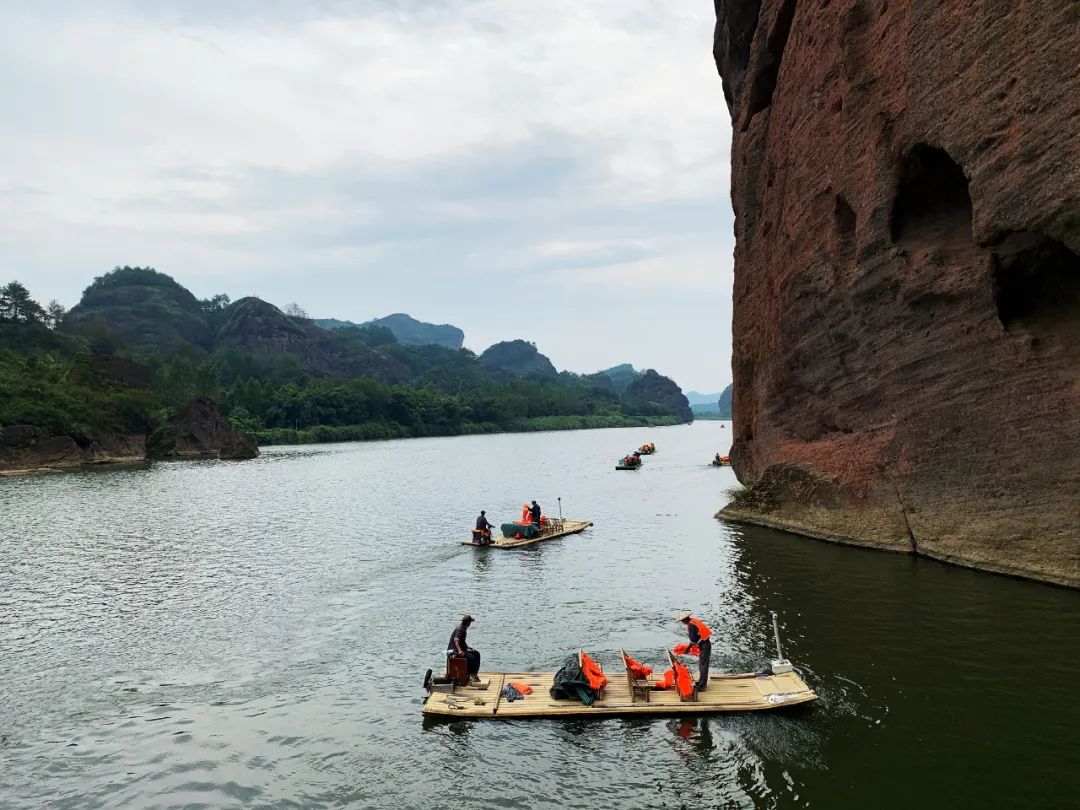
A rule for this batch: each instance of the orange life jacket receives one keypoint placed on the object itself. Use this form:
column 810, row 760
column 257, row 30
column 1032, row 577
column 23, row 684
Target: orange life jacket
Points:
column 525, row 514
column 637, row 670
column 592, row 672
column 703, row 631
column 687, row 649
column 667, row 681
column 684, row 684
column 524, row 688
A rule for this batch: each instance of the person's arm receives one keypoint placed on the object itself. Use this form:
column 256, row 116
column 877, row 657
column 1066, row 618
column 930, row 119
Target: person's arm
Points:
column 458, row 645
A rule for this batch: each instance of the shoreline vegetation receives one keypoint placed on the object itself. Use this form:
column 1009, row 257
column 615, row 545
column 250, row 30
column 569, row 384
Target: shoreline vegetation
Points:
column 381, row 431
column 139, row 349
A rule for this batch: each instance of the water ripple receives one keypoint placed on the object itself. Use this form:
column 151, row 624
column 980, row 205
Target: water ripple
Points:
column 208, row 634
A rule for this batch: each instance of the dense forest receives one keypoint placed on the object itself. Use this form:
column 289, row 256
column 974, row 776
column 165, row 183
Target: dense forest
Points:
column 138, row 346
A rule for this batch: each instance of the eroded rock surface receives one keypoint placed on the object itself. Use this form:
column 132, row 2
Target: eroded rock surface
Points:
column 906, row 183
column 27, row 449
column 198, row 430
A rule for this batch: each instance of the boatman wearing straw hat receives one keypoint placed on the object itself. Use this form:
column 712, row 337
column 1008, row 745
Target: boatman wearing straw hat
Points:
column 700, row 634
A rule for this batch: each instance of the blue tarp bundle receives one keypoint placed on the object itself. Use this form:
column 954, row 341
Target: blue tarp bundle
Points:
column 524, row 529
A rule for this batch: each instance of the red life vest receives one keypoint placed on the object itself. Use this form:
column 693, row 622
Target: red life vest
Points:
column 703, row 631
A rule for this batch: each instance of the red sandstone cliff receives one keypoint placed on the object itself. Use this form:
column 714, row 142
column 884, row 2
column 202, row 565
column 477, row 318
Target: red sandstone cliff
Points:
column 906, row 183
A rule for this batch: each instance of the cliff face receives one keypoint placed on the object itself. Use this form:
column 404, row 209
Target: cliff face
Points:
column 26, row 449
column 906, row 183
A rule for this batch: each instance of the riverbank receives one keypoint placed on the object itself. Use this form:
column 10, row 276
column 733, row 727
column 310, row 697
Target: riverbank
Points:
column 133, row 453
column 381, row 431
column 807, row 507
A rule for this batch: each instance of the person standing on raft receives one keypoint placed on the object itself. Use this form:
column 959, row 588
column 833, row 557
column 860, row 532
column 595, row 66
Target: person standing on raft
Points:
column 535, row 513
column 459, row 647
column 699, row 634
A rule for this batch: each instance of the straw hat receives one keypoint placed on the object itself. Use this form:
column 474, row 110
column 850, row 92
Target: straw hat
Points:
column 682, row 617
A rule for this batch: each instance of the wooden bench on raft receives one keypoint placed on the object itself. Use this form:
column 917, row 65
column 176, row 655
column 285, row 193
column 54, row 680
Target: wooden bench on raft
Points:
column 639, row 687
column 581, row 665
column 675, row 665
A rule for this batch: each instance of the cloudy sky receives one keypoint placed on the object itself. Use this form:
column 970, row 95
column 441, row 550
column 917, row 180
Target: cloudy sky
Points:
column 555, row 170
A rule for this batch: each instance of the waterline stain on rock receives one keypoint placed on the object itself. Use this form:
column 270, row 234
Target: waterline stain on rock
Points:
column 906, row 352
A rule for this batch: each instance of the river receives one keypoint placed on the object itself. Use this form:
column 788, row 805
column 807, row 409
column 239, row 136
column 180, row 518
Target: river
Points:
column 220, row 634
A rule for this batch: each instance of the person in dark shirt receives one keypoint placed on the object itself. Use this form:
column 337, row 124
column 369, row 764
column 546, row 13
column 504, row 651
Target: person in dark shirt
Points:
column 700, row 634
column 459, row 646
column 535, row 512
column 482, row 533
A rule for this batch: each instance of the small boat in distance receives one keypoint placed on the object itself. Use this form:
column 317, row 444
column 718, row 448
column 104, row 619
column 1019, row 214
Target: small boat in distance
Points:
column 628, row 463
column 647, row 449
column 721, row 461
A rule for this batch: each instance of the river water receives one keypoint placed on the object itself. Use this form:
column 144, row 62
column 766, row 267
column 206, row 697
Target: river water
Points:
column 215, row 634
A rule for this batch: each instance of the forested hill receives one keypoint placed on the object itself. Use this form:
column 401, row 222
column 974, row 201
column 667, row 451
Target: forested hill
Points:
column 281, row 376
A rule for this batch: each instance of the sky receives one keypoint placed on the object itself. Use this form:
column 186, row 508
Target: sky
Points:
column 554, row 170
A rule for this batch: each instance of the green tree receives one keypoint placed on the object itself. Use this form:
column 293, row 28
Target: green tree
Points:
column 214, row 305
column 55, row 313
column 17, row 305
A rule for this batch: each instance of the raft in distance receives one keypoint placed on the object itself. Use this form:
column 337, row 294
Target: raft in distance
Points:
column 557, row 527
column 725, row 693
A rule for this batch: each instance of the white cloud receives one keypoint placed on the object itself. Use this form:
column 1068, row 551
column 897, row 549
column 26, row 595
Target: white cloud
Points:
column 237, row 141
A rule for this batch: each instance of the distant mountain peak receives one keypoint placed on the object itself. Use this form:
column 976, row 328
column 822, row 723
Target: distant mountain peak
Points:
column 407, row 330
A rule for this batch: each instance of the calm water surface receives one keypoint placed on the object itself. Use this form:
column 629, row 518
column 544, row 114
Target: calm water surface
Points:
column 214, row 634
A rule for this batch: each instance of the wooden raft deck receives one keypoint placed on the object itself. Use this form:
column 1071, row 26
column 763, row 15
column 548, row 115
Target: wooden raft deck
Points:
column 568, row 527
column 723, row 694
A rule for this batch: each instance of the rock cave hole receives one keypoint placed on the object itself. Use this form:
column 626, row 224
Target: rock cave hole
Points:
column 1037, row 284
column 933, row 204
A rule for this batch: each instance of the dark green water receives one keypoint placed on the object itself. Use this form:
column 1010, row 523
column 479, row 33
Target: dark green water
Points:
column 254, row 634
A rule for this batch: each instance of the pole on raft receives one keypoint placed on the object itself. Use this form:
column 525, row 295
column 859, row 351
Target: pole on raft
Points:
column 781, row 664
column 776, row 635
column 560, row 508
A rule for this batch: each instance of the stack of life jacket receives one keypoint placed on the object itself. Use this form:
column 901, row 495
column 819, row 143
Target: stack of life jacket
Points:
column 679, row 677
column 637, row 670
column 592, row 672
column 686, row 649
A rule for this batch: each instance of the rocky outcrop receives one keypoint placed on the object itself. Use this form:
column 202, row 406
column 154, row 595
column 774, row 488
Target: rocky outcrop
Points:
column 660, row 392
column 906, row 183
column 198, row 430
column 26, row 449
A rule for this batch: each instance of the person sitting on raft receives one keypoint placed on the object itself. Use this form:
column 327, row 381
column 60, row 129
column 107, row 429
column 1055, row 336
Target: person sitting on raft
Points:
column 460, row 647
column 717, row 461
column 482, row 532
column 699, row 634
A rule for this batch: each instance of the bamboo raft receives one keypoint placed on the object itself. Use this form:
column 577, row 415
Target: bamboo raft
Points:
column 622, row 696
column 558, row 527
